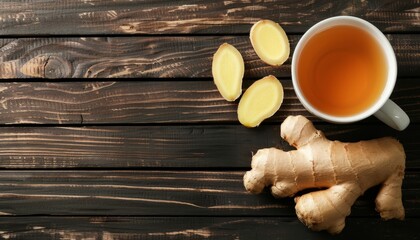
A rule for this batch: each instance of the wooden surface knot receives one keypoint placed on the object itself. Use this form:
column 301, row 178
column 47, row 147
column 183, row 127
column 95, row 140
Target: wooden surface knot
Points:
column 57, row 67
column 43, row 66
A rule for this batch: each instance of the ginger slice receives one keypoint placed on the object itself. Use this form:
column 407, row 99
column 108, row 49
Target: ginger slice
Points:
column 260, row 101
column 270, row 42
column 228, row 71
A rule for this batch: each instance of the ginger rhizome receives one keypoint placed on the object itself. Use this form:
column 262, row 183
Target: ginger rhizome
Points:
column 260, row 101
column 270, row 42
column 342, row 171
column 228, row 71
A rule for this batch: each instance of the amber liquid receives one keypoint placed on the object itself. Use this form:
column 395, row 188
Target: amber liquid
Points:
column 342, row 71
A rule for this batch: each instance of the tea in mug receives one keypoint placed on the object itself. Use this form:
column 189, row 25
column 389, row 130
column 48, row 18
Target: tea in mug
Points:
column 342, row 71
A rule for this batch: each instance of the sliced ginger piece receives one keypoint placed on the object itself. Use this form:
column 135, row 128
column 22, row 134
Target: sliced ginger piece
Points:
column 228, row 71
column 270, row 42
column 260, row 101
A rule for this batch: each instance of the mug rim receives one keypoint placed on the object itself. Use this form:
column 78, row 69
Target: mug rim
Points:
column 379, row 38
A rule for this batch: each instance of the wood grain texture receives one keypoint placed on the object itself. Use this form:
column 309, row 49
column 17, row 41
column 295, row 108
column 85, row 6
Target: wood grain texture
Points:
column 195, row 146
column 183, row 17
column 153, row 57
column 101, row 227
column 159, row 193
column 150, row 102
column 162, row 156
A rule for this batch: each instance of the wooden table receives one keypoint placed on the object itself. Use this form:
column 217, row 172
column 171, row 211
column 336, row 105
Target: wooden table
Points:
column 149, row 149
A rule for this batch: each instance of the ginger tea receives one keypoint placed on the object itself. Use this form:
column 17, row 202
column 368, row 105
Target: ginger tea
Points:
column 342, row 71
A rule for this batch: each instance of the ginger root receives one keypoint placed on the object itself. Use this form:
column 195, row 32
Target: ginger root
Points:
column 270, row 42
column 228, row 71
column 260, row 101
column 343, row 171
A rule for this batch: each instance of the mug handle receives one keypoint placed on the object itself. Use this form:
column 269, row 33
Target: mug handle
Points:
column 392, row 115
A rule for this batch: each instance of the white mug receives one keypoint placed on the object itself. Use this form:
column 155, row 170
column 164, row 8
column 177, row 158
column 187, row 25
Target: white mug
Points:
column 383, row 108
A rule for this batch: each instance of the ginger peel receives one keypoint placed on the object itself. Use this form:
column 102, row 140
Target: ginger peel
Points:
column 270, row 42
column 343, row 171
column 260, row 101
column 228, row 70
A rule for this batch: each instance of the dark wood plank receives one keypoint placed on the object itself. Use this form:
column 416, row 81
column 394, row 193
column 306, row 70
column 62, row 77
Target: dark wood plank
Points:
column 157, row 193
column 153, row 57
column 100, row 227
column 167, row 17
column 150, row 102
column 209, row 146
